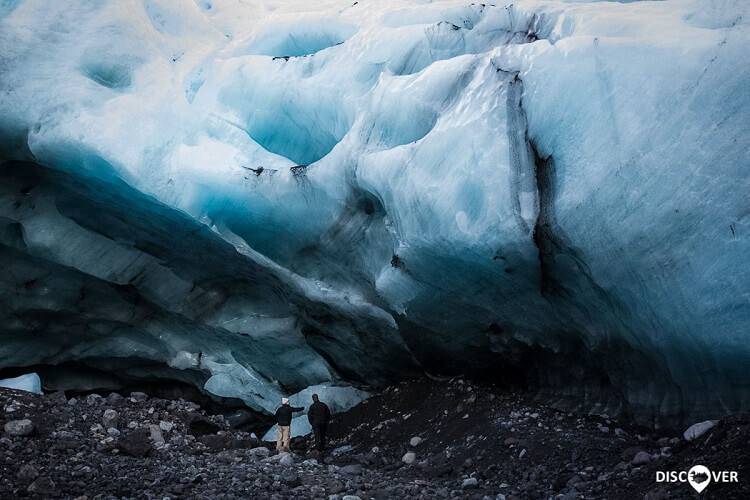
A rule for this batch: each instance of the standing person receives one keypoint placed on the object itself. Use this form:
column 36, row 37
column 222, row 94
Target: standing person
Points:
column 319, row 415
column 284, row 420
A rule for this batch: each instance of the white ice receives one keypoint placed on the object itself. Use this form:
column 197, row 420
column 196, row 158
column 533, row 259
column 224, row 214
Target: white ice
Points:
column 29, row 383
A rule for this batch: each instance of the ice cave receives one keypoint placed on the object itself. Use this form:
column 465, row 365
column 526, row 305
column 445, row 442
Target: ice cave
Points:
column 236, row 200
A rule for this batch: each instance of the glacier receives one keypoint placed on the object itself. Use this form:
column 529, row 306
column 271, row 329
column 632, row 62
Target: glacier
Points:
column 252, row 198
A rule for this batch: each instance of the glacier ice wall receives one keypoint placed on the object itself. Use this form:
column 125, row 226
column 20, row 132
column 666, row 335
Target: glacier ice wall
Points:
column 253, row 198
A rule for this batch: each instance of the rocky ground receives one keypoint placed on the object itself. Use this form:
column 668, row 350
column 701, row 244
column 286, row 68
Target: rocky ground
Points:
column 419, row 439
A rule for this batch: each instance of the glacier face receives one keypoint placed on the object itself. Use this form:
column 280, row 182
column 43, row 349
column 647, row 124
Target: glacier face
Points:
column 253, row 197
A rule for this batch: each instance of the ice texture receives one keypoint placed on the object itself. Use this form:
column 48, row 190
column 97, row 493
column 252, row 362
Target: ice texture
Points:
column 255, row 198
column 29, row 383
column 339, row 398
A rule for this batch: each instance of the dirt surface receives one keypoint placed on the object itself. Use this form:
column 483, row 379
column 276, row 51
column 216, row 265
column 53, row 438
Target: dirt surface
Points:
column 514, row 447
column 472, row 441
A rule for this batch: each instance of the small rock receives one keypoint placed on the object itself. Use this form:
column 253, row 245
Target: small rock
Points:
column 43, row 486
column 115, row 399
column 287, row 460
column 415, row 441
column 96, row 429
column 135, row 443
column 604, row 429
column 19, row 427
column 641, row 458
column 336, row 488
column 620, row 433
column 352, row 470
column 27, row 473
column 93, row 399
column 630, row 452
column 165, row 426
column 110, row 419
column 469, row 483
column 697, row 430
column 72, row 401
column 511, row 441
column 58, row 397
column 156, row 435
column 409, row 457
column 351, row 497
column 139, row 396
column 291, row 479
column 226, row 456
column 260, row 452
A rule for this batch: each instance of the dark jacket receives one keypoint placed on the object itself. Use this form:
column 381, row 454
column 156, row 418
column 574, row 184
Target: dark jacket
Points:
column 318, row 414
column 284, row 414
